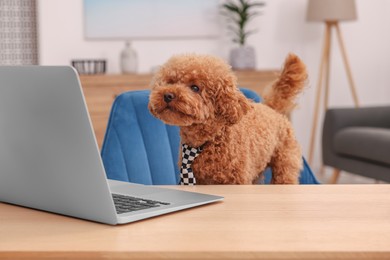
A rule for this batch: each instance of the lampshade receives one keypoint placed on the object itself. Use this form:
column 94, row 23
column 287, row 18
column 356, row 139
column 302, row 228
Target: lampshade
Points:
column 331, row 10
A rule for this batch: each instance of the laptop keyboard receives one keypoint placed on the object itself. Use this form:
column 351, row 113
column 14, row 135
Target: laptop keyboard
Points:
column 125, row 204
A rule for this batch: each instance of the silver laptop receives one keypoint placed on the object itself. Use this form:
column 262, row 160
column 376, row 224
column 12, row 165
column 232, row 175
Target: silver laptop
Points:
column 49, row 158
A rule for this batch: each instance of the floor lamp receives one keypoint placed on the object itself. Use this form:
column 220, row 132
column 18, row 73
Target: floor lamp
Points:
column 331, row 12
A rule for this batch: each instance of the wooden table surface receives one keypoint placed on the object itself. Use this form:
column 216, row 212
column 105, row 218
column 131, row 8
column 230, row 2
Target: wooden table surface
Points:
column 262, row 221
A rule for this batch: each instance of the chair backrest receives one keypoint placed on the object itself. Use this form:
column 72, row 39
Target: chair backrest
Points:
column 141, row 149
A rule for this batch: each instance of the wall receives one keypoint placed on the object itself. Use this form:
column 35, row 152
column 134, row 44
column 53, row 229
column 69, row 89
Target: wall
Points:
column 281, row 29
column 62, row 39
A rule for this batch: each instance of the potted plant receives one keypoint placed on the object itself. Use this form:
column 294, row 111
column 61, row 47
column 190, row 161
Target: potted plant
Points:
column 239, row 14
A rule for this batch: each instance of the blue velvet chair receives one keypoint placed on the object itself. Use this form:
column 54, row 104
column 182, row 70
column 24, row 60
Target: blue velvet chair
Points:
column 141, row 149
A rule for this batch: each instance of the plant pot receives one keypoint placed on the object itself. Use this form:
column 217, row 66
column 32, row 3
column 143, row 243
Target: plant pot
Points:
column 243, row 57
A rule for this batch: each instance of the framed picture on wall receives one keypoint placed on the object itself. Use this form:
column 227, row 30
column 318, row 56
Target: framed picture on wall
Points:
column 145, row 19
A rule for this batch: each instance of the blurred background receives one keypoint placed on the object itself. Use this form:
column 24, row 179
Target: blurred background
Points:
column 135, row 37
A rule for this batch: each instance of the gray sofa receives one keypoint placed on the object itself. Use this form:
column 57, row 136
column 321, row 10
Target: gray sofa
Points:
column 358, row 141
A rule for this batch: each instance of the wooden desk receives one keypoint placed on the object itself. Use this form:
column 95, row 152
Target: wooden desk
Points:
column 263, row 222
column 101, row 90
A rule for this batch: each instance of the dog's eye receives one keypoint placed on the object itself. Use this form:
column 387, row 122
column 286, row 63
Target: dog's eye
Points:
column 195, row 88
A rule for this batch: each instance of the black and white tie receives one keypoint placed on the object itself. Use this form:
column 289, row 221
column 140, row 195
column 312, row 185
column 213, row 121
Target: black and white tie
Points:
column 188, row 156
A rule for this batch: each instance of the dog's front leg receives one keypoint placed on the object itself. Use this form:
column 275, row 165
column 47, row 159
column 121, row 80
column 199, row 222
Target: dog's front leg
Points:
column 287, row 163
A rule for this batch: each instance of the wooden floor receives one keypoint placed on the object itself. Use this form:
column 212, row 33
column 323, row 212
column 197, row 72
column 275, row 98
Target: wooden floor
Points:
column 345, row 177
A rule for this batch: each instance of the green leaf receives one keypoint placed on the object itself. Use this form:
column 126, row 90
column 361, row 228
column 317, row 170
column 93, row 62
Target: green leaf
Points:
column 231, row 7
column 254, row 14
column 249, row 33
column 256, row 4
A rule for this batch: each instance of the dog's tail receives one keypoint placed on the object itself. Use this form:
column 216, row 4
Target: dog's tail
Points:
column 290, row 83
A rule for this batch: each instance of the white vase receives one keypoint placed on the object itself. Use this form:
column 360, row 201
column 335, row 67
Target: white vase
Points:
column 128, row 59
column 243, row 57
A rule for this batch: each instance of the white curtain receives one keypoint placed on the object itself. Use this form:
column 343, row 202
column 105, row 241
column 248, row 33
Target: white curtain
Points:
column 18, row 32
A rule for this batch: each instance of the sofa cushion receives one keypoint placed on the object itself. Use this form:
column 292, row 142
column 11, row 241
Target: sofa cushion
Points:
column 368, row 143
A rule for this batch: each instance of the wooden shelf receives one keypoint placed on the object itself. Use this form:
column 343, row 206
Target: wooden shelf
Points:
column 101, row 90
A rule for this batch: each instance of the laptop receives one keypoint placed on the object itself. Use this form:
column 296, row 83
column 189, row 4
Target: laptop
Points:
column 50, row 160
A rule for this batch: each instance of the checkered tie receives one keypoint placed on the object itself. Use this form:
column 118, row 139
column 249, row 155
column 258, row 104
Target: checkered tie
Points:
column 188, row 156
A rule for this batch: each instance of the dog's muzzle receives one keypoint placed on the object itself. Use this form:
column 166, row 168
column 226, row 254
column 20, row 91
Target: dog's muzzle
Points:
column 168, row 97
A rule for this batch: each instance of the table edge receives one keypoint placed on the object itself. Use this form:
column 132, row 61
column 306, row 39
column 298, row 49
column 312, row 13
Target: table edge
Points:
column 192, row 255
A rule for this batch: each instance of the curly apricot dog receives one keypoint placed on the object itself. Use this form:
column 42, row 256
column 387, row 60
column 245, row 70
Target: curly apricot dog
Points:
column 240, row 138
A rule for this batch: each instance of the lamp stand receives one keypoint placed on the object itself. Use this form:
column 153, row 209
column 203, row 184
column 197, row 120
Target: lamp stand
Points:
column 324, row 78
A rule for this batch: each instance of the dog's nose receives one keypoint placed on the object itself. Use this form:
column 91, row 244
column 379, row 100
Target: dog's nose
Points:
column 168, row 97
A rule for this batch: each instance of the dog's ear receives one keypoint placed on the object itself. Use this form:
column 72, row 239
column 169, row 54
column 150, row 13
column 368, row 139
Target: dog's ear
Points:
column 231, row 104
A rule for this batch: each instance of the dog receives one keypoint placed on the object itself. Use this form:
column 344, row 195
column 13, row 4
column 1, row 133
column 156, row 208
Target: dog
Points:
column 239, row 138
